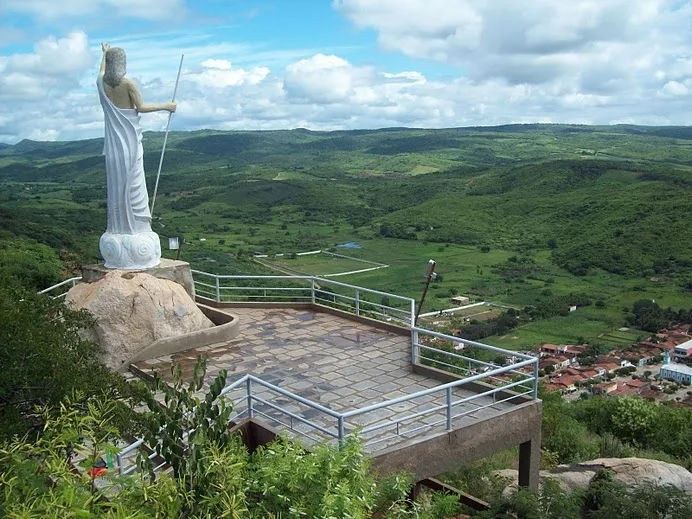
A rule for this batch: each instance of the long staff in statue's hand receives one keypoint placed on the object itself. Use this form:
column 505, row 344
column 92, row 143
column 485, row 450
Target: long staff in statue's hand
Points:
column 165, row 139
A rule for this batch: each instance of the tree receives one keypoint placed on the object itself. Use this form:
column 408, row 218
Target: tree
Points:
column 44, row 360
column 633, row 419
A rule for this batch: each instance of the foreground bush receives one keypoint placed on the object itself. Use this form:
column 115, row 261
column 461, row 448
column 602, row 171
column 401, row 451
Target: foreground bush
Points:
column 51, row 476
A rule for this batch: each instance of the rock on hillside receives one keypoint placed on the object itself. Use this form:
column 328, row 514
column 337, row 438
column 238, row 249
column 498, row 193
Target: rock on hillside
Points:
column 630, row 471
column 132, row 310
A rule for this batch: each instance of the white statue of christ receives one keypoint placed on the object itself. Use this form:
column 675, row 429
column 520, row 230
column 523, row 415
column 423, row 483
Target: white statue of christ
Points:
column 129, row 242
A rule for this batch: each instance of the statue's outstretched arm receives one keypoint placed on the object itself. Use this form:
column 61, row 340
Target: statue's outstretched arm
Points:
column 141, row 106
column 104, row 48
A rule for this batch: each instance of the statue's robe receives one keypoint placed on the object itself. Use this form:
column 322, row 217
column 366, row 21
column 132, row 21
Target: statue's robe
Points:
column 128, row 201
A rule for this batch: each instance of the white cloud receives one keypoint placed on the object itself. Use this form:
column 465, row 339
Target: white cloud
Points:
column 674, row 88
column 54, row 65
column 221, row 64
column 321, row 79
column 219, row 73
column 595, row 46
column 582, row 61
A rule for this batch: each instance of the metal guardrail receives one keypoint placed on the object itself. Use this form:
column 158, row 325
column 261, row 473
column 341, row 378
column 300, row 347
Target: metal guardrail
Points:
column 249, row 394
column 306, row 289
column 68, row 283
column 463, row 365
column 253, row 396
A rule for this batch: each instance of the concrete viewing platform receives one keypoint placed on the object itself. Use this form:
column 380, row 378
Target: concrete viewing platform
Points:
column 346, row 363
column 319, row 360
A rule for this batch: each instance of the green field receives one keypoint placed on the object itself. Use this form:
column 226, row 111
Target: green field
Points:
column 518, row 214
column 317, row 265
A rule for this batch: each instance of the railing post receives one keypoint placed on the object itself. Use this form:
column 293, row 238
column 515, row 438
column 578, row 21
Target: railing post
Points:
column 413, row 313
column 357, row 302
column 120, row 463
column 218, row 290
column 414, row 346
column 250, row 411
column 535, row 380
column 312, row 290
column 342, row 430
column 449, row 408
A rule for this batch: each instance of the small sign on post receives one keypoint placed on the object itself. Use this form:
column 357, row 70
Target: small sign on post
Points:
column 173, row 243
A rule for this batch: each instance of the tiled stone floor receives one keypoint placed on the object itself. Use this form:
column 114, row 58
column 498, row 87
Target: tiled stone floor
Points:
column 338, row 363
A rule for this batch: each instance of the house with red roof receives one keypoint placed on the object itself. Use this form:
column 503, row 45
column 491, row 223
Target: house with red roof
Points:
column 605, row 388
column 568, row 384
column 605, row 367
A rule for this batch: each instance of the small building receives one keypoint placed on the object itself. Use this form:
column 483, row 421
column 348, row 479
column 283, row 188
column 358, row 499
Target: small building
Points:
column 683, row 351
column 567, row 384
column 548, row 362
column 639, row 385
column 563, row 361
column 605, row 388
column 604, row 368
column 571, row 349
column 642, row 356
column 630, row 388
column 551, row 349
column 589, row 373
column 460, row 300
column 677, row 372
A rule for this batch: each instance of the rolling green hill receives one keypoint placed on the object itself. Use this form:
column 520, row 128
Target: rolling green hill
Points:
column 601, row 211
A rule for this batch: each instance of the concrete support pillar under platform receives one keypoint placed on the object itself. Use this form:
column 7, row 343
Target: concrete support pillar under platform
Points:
column 450, row 450
column 530, row 461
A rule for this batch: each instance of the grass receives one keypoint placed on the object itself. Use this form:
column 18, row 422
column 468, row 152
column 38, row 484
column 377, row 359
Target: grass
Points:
column 318, row 264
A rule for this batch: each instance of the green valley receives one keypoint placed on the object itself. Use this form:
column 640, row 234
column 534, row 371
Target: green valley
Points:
column 517, row 215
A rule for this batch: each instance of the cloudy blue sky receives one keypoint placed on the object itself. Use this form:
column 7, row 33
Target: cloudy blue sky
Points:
column 342, row 64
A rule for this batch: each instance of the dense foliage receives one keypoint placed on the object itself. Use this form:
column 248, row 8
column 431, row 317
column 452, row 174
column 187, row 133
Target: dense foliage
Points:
column 214, row 475
column 648, row 315
column 44, row 360
column 604, row 499
column 616, row 427
column 27, row 263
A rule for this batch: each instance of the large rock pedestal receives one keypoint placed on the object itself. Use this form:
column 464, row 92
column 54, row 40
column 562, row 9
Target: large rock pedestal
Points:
column 173, row 270
column 134, row 309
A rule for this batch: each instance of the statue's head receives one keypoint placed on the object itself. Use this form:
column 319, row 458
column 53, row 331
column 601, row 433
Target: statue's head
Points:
column 115, row 66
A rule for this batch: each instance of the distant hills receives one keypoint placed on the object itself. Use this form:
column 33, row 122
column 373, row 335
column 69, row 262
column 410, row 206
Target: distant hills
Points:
column 616, row 198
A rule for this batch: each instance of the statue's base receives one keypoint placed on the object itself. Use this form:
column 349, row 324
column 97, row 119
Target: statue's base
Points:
column 177, row 271
column 137, row 251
